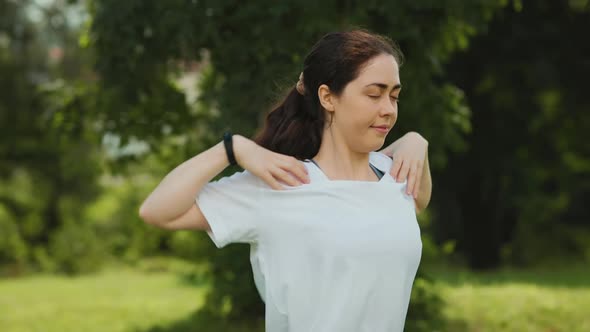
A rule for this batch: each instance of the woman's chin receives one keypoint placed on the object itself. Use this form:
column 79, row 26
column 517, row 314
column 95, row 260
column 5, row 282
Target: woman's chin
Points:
column 374, row 147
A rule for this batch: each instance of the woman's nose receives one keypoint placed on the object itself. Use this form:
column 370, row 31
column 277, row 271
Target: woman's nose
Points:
column 390, row 108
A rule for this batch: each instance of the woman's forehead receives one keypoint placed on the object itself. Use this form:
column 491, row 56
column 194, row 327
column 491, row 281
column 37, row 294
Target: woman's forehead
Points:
column 382, row 69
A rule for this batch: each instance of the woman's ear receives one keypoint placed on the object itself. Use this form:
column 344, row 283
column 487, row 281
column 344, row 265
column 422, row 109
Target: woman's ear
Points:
column 326, row 98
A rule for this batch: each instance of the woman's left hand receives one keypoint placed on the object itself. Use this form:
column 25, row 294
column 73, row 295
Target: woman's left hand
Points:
column 408, row 153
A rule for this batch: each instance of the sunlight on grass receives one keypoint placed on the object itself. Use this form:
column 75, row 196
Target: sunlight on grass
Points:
column 519, row 307
column 549, row 301
column 120, row 300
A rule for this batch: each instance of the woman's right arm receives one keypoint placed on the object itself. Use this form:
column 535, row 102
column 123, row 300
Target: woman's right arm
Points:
column 172, row 204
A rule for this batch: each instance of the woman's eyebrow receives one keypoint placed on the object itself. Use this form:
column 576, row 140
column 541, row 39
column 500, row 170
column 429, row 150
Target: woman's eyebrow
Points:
column 384, row 86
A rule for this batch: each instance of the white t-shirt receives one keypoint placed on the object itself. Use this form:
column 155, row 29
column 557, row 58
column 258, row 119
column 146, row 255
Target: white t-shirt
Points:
column 331, row 255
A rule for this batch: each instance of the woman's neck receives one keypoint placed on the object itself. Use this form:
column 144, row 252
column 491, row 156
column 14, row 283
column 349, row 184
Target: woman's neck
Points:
column 339, row 162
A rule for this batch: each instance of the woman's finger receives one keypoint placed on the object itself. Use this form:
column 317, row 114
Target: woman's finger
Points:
column 395, row 167
column 403, row 172
column 269, row 179
column 286, row 177
column 411, row 179
column 296, row 168
column 418, row 178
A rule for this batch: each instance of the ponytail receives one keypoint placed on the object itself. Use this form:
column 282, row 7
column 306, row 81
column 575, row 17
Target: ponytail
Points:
column 294, row 127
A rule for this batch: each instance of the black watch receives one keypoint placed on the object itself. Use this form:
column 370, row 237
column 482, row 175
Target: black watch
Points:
column 229, row 148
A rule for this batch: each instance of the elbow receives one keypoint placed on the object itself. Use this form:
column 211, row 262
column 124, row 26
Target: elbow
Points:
column 420, row 205
column 146, row 215
column 419, row 209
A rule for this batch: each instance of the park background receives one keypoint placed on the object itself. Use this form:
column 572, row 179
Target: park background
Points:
column 99, row 99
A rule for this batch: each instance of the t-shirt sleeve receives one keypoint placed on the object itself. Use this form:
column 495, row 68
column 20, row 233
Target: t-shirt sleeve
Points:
column 231, row 207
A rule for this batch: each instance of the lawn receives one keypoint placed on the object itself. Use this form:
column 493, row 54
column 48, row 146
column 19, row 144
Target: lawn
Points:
column 144, row 299
column 115, row 300
column 545, row 300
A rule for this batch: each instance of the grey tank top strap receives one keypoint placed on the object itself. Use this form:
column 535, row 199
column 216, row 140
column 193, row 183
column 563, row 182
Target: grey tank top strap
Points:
column 377, row 171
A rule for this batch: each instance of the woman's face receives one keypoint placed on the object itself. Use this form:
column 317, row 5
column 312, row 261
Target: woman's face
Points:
column 366, row 110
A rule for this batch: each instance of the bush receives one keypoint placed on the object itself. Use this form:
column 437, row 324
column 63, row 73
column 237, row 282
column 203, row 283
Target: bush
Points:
column 13, row 249
column 426, row 304
column 76, row 249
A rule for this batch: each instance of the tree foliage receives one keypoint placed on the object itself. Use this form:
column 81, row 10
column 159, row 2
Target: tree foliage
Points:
column 49, row 159
column 256, row 51
column 517, row 195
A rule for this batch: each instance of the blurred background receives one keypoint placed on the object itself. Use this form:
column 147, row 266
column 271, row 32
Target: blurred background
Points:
column 99, row 99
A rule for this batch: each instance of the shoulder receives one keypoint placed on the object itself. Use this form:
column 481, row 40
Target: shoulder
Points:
column 380, row 160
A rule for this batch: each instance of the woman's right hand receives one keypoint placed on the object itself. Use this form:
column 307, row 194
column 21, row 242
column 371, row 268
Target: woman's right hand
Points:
column 269, row 166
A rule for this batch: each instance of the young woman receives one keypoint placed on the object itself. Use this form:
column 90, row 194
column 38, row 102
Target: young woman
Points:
column 335, row 244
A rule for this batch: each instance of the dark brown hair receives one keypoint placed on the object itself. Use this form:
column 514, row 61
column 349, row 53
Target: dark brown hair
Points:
column 295, row 126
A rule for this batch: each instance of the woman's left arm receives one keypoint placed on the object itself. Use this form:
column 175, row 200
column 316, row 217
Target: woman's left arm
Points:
column 410, row 161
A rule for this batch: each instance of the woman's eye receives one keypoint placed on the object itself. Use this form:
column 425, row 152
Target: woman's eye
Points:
column 396, row 99
column 375, row 97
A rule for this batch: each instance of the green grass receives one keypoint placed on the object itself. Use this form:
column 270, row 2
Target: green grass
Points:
column 115, row 300
column 546, row 300
column 154, row 298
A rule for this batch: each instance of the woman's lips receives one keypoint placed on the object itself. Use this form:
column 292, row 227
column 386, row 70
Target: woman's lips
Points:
column 382, row 130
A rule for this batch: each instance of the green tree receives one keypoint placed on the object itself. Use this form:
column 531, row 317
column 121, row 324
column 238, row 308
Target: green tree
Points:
column 49, row 159
column 518, row 191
